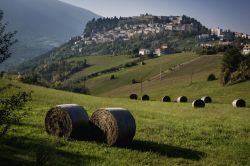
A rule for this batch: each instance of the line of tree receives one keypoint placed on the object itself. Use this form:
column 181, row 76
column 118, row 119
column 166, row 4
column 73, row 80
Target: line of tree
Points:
column 53, row 74
column 212, row 50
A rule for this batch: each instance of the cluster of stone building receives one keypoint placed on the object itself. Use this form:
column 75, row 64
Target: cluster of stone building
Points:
column 126, row 32
column 223, row 36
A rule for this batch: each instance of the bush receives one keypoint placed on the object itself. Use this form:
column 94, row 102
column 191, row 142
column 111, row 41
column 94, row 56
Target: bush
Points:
column 112, row 77
column 134, row 81
column 211, row 77
column 12, row 108
column 2, row 74
column 143, row 63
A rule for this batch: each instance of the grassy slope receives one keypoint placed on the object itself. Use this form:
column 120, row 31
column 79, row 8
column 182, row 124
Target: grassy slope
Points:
column 102, row 84
column 98, row 63
column 167, row 134
column 178, row 82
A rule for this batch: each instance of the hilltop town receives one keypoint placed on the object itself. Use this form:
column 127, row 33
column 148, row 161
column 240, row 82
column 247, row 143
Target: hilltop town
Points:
column 147, row 25
column 111, row 31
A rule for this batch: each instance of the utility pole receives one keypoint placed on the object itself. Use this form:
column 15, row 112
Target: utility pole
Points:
column 191, row 79
column 141, row 87
column 84, row 82
column 160, row 71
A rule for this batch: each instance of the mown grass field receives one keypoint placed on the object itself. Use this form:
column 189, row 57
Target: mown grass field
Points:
column 98, row 63
column 167, row 133
column 189, row 80
column 188, row 77
column 102, row 84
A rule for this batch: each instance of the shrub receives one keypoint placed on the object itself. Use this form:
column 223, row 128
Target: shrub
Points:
column 211, row 77
column 12, row 108
column 112, row 77
column 134, row 81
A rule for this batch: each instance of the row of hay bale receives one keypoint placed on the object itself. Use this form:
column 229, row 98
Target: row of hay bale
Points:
column 183, row 99
column 143, row 98
column 199, row 103
column 115, row 126
column 196, row 103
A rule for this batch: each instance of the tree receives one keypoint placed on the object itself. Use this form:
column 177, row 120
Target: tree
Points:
column 231, row 60
column 235, row 67
column 112, row 77
column 12, row 104
column 6, row 40
column 85, row 62
column 136, row 52
column 211, row 77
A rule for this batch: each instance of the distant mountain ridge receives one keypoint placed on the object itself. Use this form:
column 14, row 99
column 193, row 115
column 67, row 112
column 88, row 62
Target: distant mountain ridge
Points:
column 41, row 25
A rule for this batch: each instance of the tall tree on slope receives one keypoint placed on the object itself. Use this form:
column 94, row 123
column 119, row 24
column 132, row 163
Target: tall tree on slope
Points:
column 12, row 107
column 6, row 40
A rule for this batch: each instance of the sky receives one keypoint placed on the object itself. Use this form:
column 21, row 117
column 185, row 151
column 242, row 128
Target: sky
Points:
column 226, row 14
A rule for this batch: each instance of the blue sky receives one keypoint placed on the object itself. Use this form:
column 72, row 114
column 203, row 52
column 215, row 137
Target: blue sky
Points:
column 227, row 14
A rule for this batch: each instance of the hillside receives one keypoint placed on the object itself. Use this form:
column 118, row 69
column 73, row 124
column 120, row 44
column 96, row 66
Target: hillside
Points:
column 188, row 78
column 167, row 133
column 70, row 73
column 181, row 74
column 102, row 84
column 41, row 25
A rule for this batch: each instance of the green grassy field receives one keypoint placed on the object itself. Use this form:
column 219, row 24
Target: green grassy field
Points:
column 98, row 63
column 102, row 84
column 188, row 76
column 167, row 133
column 178, row 82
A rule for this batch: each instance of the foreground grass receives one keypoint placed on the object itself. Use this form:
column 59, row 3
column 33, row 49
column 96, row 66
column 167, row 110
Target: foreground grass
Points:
column 167, row 134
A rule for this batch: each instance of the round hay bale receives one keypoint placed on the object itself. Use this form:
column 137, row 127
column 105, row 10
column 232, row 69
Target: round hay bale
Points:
column 198, row 103
column 239, row 103
column 166, row 99
column 133, row 97
column 67, row 120
column 206, row 99
column 182, row 99
column 145, row 98
column 117, row 125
